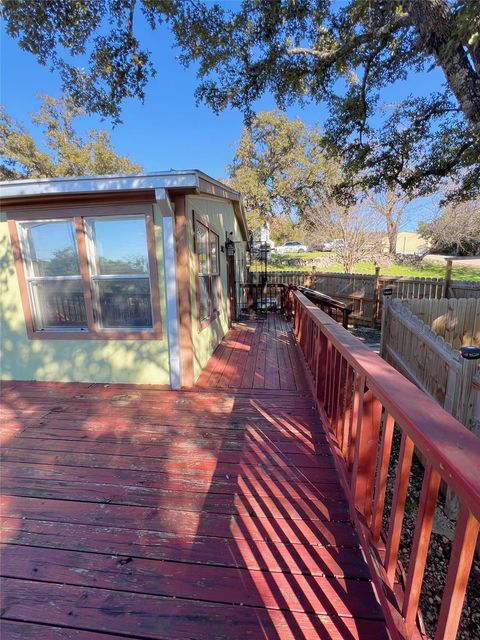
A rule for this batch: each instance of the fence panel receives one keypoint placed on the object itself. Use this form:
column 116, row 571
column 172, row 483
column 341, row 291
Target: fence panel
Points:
column 457, row 321
column 410, row 342
column 459, row 289
column 361, row 291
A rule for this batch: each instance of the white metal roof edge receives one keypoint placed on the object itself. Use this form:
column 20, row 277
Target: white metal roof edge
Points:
column 86, row 184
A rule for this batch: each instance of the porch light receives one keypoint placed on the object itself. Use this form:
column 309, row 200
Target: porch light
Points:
column 229, row 248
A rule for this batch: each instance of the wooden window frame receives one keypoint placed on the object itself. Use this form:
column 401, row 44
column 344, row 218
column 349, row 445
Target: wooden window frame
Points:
column 77, row 215
column 214, row 313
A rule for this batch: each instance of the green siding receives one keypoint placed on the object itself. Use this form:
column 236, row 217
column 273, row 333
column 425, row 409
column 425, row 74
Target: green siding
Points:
column 222, row 218
column 122, row 361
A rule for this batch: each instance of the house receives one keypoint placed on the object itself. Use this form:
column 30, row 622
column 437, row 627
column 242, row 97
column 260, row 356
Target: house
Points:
column 409, row 243
column 118, row 279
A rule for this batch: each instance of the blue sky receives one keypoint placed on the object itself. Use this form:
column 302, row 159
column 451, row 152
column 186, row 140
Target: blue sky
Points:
column 169, row 131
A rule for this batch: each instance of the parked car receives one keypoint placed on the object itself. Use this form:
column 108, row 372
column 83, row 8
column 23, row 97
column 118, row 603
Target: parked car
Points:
column 333, row 245
column 291, row 247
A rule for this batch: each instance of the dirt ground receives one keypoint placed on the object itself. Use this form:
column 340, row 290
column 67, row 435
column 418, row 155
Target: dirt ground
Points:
column 471, row 261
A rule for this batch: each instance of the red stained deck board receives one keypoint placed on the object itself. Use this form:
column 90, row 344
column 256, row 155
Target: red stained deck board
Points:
column 276, row 428
column 263, row 486
column 243, row 527
column 193, row 549
column 139, row 512
column 13, row 630
column 253, row 455
column 224, row 585
column 177, row 444
column 245, row 469
column 158, row 617
column 65, row 489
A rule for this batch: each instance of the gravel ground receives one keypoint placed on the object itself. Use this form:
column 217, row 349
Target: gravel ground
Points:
column 369, row 336
column 440, row 543
column 438, row 555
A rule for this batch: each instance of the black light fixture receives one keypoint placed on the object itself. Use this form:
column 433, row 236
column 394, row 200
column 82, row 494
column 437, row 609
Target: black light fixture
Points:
column 470, row 353
column 264, row 251
column 229, row 246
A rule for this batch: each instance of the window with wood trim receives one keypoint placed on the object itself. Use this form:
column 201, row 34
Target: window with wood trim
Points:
column 207, row 247
column 90, row 276
column 52, row 270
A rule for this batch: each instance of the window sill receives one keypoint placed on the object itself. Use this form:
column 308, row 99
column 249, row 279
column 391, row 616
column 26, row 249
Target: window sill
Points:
column 128, row 334
column 203, row 324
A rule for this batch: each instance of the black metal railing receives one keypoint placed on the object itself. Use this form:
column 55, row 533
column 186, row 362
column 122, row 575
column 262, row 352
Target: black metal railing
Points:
column 278, row 297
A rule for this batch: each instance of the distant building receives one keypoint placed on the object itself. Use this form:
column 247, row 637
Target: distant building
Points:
column 408, row 243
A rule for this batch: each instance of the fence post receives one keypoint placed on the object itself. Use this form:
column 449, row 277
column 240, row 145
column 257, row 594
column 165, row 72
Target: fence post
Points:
column 448, row 277
column 387, row 293
column 376, row 295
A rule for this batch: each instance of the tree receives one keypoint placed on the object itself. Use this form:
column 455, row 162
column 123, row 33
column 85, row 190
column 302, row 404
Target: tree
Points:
column 390, row 205
column 456, row 230
column 303, row 50
column 284, row 229
column 66, row 153
column 356, row 230
column 278, row 167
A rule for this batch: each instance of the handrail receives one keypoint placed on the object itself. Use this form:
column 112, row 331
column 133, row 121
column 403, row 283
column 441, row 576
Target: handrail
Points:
column 323, row 302
column 268, row 296
column 362, row 399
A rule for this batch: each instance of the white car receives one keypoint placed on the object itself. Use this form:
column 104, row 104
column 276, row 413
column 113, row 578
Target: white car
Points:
column 291, row 247
column 333, row 245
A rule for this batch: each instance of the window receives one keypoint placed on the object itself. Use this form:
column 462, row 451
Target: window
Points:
column 53, row 275
column 208, row 273
column 120, row 272
column 93, row 275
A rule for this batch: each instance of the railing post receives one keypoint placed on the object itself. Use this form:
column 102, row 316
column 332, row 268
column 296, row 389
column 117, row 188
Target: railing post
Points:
column 376, row 297
column 421, row 540
column 461, row 558
column 387, row 296
column 366, row 445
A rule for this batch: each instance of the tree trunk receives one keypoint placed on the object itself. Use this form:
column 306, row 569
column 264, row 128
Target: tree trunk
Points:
column 434, row 23
column 392, row 233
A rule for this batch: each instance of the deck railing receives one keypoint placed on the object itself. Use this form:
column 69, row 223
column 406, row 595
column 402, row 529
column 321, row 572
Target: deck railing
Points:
column 363, row 400
column 277, row 296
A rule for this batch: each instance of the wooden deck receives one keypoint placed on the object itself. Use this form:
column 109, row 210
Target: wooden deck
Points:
column 216, row 513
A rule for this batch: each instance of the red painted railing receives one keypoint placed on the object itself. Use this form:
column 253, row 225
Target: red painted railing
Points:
column 362, row 399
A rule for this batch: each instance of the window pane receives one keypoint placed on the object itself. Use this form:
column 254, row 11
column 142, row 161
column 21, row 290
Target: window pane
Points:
column 201, row 247
column 52, row 248
column 215, row 268
column 58, row 303
column 124, row 303
column 204, row 297
column 120, row 245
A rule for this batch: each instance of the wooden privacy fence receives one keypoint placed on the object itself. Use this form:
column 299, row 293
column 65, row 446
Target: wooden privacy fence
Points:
column 363, row 292
column 456, row 321
column 362, row 400
column 427, row 353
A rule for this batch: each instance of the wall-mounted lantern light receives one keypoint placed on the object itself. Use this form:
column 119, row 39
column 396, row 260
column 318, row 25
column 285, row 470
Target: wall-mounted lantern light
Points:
column 229, row 246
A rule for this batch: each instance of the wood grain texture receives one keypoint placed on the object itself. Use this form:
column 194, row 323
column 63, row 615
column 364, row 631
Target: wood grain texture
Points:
column 209, row 513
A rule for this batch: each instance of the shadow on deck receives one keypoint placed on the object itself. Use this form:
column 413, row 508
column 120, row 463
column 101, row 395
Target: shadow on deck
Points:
column 215, row 513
